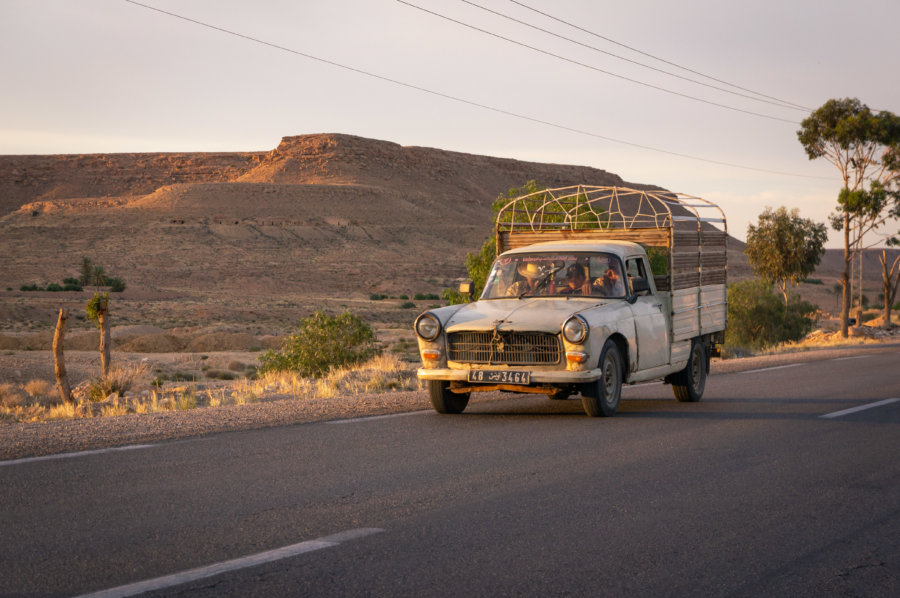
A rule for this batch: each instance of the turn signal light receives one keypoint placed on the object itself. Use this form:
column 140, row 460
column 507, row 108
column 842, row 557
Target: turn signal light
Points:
column 431, row 354
column 576, row 356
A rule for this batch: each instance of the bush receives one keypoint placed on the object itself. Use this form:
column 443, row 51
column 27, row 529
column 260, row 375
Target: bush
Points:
column 322, row 342
column 407, row 305
column 54, row 287
column 116, row 285
column 426, row 297
column 29, row 287
column 757, row 318
column 377, row 297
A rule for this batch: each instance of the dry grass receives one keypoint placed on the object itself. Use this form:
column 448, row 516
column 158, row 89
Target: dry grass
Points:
column 127, row 390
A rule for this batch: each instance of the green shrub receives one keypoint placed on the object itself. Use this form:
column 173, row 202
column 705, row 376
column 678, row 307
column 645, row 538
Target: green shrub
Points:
column 29, row 287
column 426, row 297
column 404, row 297
column 757, row 318
column 116, row 285
column 453, row 297
column 813, row 281
column 407, row 305
column 322, row 342
column 377, row 297
column 54, row 287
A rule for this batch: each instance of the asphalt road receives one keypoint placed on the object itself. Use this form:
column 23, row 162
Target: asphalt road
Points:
column 751, row 492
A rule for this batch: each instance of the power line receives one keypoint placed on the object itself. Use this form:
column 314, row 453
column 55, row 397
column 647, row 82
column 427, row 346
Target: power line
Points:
column 470, row 102
column 684, row 68
column 593, row 68
column 779, row 103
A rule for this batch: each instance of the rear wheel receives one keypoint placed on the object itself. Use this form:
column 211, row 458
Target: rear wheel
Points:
column 689, row 383
column 445, row 401
column 601, row 398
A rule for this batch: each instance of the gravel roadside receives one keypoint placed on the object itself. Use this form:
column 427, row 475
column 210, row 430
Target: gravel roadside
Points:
column 21, row 440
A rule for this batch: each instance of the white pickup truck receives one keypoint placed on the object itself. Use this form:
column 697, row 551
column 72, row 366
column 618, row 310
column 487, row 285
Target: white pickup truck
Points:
column 572, row 305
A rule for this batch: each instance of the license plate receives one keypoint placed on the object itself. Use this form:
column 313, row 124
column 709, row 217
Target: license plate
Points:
column 500, row 376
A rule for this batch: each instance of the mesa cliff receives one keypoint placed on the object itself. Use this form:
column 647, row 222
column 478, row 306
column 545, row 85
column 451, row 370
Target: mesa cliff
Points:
column 319, row 217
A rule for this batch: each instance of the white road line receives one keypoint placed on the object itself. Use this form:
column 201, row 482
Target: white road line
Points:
column 846, row 358
column 776, row 367
column 356, row 420
column 78, row 454
column 269, row 556
column 860, row 408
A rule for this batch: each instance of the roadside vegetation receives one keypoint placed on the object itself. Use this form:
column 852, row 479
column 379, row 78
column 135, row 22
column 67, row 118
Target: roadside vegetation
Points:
column 135, row 390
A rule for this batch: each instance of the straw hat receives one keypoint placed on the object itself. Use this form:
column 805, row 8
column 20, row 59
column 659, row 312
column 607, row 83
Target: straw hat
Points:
column 529, row 270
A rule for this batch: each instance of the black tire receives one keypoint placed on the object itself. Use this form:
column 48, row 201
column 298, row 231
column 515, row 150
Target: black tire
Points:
column 445, row 401
column 559, row 395
column 601, row 398
column 689, row 383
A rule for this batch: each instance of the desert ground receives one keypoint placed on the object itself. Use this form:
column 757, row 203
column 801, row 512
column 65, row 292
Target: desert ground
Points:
column 223, row 253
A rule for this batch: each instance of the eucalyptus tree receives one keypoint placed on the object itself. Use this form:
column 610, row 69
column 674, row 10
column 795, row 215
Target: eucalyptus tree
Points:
column 865, row 148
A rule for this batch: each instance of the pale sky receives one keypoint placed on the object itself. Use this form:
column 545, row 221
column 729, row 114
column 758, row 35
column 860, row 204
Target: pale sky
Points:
column 86, row 76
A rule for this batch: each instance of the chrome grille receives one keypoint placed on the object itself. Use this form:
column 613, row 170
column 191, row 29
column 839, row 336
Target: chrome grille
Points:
column 509, row 348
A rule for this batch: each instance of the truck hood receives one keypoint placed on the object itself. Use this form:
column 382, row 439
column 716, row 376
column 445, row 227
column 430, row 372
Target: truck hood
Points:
column 534, row 314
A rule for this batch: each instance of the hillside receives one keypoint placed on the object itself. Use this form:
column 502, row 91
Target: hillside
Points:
column 261, row 238
column 256, row 240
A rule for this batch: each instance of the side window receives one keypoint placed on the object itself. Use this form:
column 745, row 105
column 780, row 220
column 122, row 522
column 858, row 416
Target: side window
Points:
column 635, row 268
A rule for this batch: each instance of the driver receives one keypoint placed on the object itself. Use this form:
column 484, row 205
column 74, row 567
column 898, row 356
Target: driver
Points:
column 530, row 273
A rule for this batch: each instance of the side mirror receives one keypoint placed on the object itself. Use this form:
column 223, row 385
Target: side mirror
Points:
column 467, row 289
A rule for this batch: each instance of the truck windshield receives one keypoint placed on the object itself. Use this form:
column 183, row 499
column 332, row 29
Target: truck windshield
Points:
column 555, row 275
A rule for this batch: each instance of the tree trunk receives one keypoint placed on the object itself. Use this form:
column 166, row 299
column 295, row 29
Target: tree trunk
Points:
column 59, row 363
column 845, row 279
column 103, row 317
column 889, row 285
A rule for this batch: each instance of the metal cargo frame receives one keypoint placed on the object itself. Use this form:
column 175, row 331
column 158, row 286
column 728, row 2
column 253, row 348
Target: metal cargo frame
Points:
column 684, row 225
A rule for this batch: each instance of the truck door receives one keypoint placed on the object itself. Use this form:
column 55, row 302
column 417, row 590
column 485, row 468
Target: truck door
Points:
column 650, row 324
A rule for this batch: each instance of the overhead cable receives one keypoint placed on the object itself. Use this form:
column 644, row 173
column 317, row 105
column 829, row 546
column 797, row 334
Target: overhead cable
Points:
column 470, row 102
column 670, row 63
column 755, row 98
column 594, row 68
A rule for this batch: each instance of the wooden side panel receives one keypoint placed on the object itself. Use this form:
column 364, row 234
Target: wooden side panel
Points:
column 653, row 237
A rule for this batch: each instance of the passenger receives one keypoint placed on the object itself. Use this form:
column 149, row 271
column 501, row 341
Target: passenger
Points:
column 611, row 283
column 576, row 281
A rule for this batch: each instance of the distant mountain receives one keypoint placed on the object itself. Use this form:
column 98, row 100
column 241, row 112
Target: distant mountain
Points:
column 321, row 220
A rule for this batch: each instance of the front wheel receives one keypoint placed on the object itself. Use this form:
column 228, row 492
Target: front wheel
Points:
column 689, row 383
column 601, row 398
column 445, row 401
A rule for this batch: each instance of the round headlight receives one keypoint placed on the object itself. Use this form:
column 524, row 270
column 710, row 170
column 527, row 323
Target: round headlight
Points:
column 575, row 330
column 428, row 326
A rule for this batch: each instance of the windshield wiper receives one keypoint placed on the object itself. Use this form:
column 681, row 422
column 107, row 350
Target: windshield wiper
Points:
column 542, row 281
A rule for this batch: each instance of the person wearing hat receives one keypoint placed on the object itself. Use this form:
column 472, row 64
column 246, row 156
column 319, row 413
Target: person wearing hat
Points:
column 576, row 281
column 530, row 273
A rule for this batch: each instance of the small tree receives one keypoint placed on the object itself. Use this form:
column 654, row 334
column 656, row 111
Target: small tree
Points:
column 98, row 312
column 322, row 342
column 87, row 268
column 785, row 248
column 865, row 148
